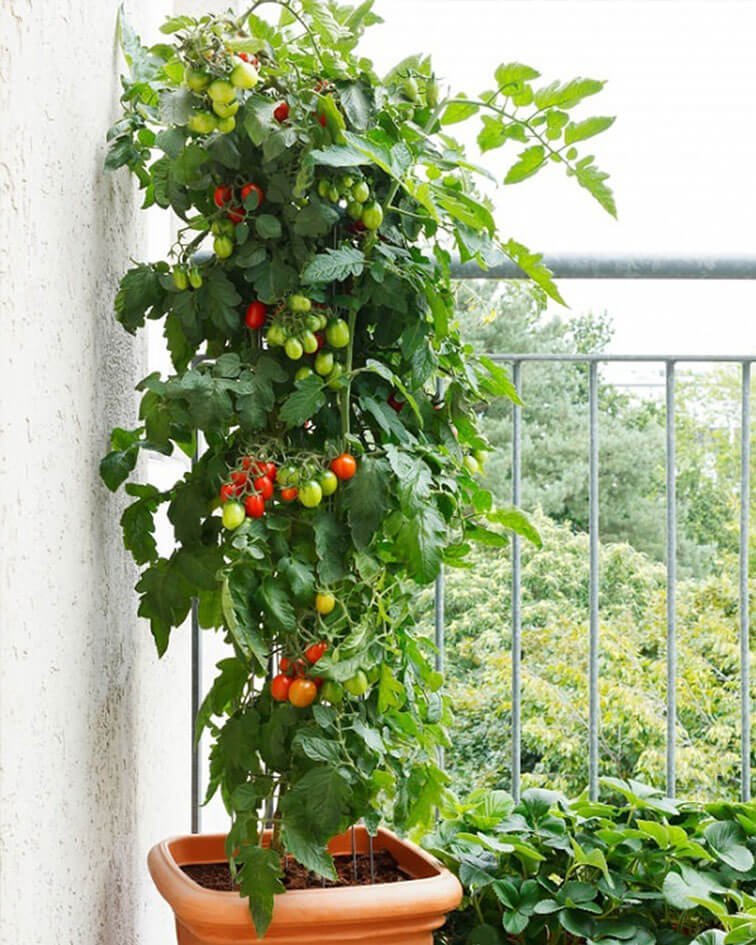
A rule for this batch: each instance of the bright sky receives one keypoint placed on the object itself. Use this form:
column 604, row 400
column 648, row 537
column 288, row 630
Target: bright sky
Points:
column 681, row 81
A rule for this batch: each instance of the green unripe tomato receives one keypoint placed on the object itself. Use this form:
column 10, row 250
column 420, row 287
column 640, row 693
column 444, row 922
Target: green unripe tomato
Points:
column 322, row 321
column 480, row 456
column 358, row 685
column 310, row 494
column 202, row 123
column 197, row 80
column 226, row 125
column 323, row 363
column 220, row 90
column 233, row 515
column 222, row 228
column 337, row 333
column 288, row 475
column 332, row 692
column 245, row 76
column 372, row 215
column 328, row 482
column 195, row 278
column 410, row 90
column 275, row 335
column 180, row 278
column 334, row 194
column 472, row 465
column 299, row 304
column 354, row 210
column 312, row 321
column 345, row 184
column 361, row 191
column 309, row 342
column 333, row 377
column 226, row 109
column 301, row 374
column 431, row 92
column 293, row 349
column 324, row 187
column 223, row 246
column 373, row 674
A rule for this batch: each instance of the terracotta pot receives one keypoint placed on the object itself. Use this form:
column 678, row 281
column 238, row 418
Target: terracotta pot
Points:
column 403, row 913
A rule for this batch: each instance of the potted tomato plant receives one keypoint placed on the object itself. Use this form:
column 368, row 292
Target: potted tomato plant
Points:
column 320, row 384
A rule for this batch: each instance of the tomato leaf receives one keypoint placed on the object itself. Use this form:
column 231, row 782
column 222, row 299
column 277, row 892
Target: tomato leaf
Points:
column 334, row 265
column 367, row 499
column 304, row 402
column 260, row 879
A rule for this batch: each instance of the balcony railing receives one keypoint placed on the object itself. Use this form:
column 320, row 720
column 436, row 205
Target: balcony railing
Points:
column 603, row 267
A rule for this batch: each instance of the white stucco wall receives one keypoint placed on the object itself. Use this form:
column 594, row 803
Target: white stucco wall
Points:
column 94, row 743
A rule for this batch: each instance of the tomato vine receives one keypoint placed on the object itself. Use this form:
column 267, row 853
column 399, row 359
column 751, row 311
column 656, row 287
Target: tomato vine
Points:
column 320, row 380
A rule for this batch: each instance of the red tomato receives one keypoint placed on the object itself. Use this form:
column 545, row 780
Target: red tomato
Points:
column 395, row 403
column 318, row 680
column 248, row 189
column 248, row 57
column 254, row 506
column 222, row 196
column 239, row 479
column 299, row 667
column 281, row 112
column 344, row 466
column 279, row 687
column 227, row 491
column 264, row 486
column 236, row 214
column 270, row 471
column 247, row 461
column 302, row 692
column 285, row 664
column 289, row 494
column 322, row 120
column 320, row 338
column 315, row 651
column 255, row 315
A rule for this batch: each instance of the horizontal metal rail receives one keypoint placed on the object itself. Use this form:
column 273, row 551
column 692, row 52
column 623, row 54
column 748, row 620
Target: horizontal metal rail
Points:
column 578, row 266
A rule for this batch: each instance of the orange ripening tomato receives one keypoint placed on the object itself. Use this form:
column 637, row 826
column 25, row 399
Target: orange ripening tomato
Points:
column 302, row 692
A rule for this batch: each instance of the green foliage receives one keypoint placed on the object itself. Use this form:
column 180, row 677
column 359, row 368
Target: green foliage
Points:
column 277, row 194
column 555, row 669
column 633, row 866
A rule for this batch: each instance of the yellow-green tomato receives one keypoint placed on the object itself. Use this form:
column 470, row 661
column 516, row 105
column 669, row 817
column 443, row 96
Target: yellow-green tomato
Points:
column 202, row 123
column 220, row 90
column 409, row 88
column 334, row 376
column 195, row 278
column 310, row 494
column 372, row 215
column 337, row 333
column 245, row 76
column 293, row 349
column 324, row 603
column 233, row 515
column 180, row 278
column 226, row 125
column 472, row 465
column 323, row 363
column 360, row 191
column 354, row 210
column 324, row 187
column 288, row 475
column 196, row 80
column 299, row 304
column 226, row 109
column 329, row 482
column 223, row 246
column 302, row 373
column 275, row 335
column 309, row 342
column 332, row 692
column 358, row 684
column 334, row 194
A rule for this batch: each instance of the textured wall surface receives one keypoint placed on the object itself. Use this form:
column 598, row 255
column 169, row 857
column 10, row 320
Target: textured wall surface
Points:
column 94, row 743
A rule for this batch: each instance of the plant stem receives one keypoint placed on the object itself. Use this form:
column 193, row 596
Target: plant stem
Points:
column 297, row 17
column 346, row 392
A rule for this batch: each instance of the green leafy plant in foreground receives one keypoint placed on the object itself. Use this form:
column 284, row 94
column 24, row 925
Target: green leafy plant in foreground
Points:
column 320, row 379
column 633, row 867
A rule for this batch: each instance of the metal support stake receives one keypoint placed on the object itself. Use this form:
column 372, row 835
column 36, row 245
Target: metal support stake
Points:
column 745, row 645
column 516, row 588
column 671, row 579
column 593, row 582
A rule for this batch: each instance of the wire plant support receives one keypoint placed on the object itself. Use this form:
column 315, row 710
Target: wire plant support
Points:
column 575, row 266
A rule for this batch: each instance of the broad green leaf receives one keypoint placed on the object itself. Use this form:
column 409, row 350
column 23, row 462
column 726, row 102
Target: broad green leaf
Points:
column 334, row 265
column 458, row 110
column 139, row 296
column 316, row 219
column 517, row 521
column 219, row 299
column 304, row 402
column 367, row 499
column 420, row 543
column 568, row 94
column 511, row 75
column 529, row 162
column 356, row 104
column 728, row 841
column 260, row 880
column 594, row 181
column 581, row 130
column 276, row 606
column 330, row 545
column 533, row 267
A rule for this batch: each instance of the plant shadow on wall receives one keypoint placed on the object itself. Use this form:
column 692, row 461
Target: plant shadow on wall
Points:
column 316, row 351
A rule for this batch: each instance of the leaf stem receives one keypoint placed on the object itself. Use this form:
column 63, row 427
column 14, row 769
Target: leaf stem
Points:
column 297, row 17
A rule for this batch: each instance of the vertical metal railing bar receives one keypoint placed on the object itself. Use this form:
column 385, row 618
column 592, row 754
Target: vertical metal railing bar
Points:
column 593, row 581
column 516, row 587
column 745, row 643
column 671, row 464
column 196, row 660
column 439, row 611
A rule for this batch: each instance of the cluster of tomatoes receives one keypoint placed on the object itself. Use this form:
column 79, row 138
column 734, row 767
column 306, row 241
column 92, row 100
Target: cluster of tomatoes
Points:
column 355, row 197
column 253, row 483
column 237, row 202
column 217, row 96
column 292, row 684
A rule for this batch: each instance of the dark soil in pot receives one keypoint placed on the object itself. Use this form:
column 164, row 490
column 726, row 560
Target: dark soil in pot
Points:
column 385, row 870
